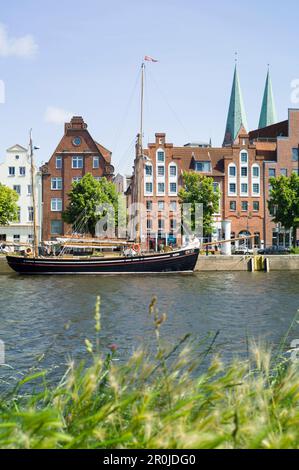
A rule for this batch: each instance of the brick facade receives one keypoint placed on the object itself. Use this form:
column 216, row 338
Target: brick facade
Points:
column 76, row 154
column 242, row 171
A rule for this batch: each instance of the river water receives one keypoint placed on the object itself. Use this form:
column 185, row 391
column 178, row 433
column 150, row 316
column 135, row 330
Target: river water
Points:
column 54, row 315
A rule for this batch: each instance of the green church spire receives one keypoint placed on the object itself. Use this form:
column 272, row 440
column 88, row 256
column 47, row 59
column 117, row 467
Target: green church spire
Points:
column 236, row 118
column 268, row 111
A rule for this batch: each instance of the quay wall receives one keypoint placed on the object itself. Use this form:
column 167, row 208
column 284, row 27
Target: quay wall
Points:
column 4, row 268
column 241, row 263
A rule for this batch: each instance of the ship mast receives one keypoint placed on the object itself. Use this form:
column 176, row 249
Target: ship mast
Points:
column 35, row 238
column 139, row 159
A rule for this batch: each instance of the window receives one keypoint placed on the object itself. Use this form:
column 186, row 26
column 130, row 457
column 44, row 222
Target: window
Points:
column 149, row 224
column 172, row 188
column 161, row 187
column 244, row 206
column 161, row 205
column 255, row 172
column 232, row 171
column 76, row 179
column 233, row 205
column 19, row 215
column 56, row 227
column 284, row 172
column 30, row 238
column 149, row 205
column 272, row 172
column 256, row 206
column 56, row 205
column 148, row 170
column 149, row 187
column 161, row 171
column 58, row 163
column 244, row 188
column 160, row 156
column 17, row 188
column 11, row 171
column 56, row 183
column 244, row 171
column 172, row 170
column 173, row 224
column 295, row 154
column 30, row 214
column 173, row 206
column 257, row 237
column 204, row 167
column 16, row 238
column 77, row 162
column 22, row 171
column 256, row 188
column 232, row 188
column 29, row 190
column 161, row 224
column 244, row 157
column 216, row 187
column 96, row 162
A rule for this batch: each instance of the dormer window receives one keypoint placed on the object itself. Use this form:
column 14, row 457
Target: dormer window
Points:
column 203, row 167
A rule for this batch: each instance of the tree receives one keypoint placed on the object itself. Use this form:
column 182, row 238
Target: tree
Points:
column 199, row 189
column 8, row 205
column 85, row 197
column 284, row 202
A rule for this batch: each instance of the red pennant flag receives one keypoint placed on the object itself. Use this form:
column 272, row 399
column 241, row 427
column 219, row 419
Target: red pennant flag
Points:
column 150, row 59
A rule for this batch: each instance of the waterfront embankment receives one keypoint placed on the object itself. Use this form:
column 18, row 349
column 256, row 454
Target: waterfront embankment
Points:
column 4, row 268
column 242, row 263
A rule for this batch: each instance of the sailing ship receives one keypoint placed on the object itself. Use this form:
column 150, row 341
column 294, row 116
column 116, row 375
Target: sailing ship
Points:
column 129, row 260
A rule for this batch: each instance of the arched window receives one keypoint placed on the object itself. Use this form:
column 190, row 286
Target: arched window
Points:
column 244, row 157
column 160, row 156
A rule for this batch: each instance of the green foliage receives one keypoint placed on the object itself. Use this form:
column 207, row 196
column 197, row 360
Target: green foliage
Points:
column 8, row 205
column 284, row 202
column 157, row 402
column 198, row 189
column 86, row 195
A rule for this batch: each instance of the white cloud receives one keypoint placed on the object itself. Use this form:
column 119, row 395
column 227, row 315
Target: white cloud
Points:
column 23, row 46
column 57, row 115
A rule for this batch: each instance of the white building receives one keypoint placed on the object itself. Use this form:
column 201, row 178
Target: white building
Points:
column 15, row 172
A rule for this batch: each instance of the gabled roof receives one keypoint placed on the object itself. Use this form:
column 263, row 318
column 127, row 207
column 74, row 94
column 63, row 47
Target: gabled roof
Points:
column 268, row 112
column 17, row 148
column 236, row 118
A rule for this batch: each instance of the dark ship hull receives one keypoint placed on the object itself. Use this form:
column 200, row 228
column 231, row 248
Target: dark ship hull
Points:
column 183, row 260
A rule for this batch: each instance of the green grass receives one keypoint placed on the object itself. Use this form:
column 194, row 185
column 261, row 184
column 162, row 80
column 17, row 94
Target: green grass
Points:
column 157, row 400
column 295, row 251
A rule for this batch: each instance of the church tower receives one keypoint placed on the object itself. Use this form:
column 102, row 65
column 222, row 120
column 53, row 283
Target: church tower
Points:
column 236, row 119
column 268, row 111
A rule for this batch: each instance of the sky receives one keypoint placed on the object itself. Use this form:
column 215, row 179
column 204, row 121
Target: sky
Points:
column 69, row 57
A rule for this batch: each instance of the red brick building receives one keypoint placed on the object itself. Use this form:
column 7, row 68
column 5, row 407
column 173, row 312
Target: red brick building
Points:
column 76, row 154
column 241, row 168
